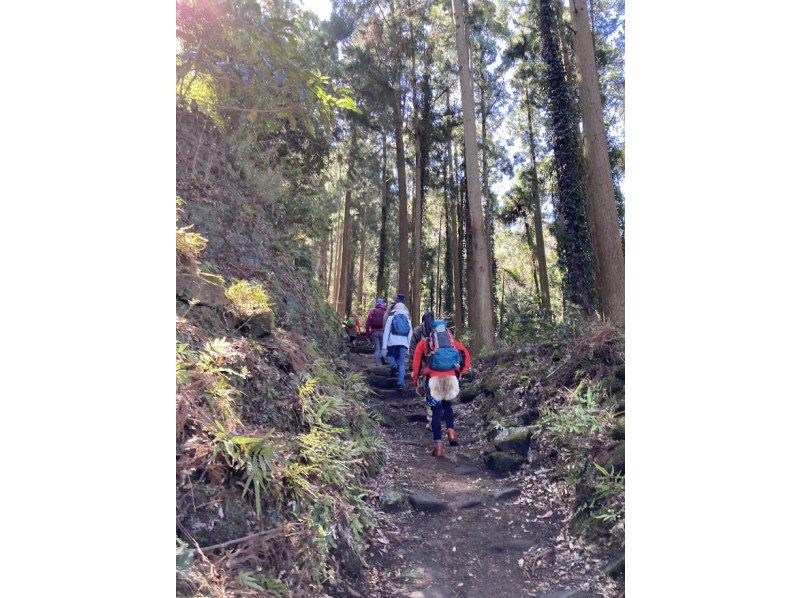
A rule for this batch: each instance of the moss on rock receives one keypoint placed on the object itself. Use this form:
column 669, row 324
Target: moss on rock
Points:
column 513, row 439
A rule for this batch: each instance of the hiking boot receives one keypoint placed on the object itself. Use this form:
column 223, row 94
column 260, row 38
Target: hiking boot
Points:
column 451, row 437
column 438, row 450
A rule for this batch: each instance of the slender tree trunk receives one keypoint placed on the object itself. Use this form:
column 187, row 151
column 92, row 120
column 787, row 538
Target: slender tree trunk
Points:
column 488, row 206
column 322, row 272
column 331, row 270
column 416, row 279
column 341, row 297
column 448, row 301
column 402, row 197
column 351, row 269
column 466, row 238
column 380, row 281
column 363, row 241
column 601, row 204
column 537, row 214
column 532, row 249
column 482, row 312
column 502, row 297
column 438, row 262
column 454, row 237
column 565, row 55
column 572, row 228
column 337, row 267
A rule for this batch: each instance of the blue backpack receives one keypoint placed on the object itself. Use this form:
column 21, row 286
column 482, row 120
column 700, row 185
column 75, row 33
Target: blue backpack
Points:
column 444, row 356
column 400, row 325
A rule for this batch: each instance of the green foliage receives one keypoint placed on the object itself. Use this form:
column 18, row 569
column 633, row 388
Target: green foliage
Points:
column 257, row 458
column 247, row 62
column 581, row 416
column 247, row 298
column 605, row 505
column 189, row 243
column 263, row 583
column 312, row 480
column 215, row 366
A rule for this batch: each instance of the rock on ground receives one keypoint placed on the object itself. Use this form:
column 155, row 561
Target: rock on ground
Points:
column 422, row 501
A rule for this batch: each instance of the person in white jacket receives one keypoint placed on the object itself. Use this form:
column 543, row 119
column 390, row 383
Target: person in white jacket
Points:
column 396, row 338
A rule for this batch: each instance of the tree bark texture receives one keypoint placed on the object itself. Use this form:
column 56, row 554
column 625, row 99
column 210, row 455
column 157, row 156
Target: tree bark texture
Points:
column 344, row 260
column 402, row 196
column 482, row 311
column 454, row 236
column 363, row 242
column 601, row 204
column 537, row 215
column 380, row 279
column 572, row 232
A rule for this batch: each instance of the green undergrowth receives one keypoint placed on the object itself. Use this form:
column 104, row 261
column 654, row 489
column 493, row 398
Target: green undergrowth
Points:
column 566, row 382
column 274, row 448
column 247, row 298
column 307, row 485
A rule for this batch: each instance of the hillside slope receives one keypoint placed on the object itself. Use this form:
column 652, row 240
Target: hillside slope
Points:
column 272, row 445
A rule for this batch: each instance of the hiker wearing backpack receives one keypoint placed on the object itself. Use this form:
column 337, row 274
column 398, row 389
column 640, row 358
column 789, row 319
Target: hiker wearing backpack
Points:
column 396, row 338
column 424, row 331
column 352, row 327
column 374, row 328
column 443, row 356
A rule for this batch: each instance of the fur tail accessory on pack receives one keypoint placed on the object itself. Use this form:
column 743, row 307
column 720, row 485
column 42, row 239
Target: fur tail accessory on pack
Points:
column 443, row 388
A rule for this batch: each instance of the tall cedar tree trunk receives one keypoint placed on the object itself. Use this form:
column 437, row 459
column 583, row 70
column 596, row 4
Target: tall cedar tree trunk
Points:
column 344, row 259
column 454, row 235
column 416, row 278
column 561, row 33
column 322, row 271
column 532, row 247
column 329, row 288
column 425, row 135
column 537, row 215
column 351, row 267
column 343, row 295
column 363, row 242
column 402, row 197
column 448, row 303
column 466, row 238
column 438, row 284
column 573, row 235
column 481, row 312
column 502, row 297
column 489, row 207
column 337, row 267
column 601, row 204
column 380, row 279
column 329, row 273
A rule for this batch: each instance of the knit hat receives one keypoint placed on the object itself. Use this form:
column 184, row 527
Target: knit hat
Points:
column 380, row 301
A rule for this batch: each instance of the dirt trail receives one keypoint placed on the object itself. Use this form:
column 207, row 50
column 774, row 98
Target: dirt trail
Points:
column 462, row 531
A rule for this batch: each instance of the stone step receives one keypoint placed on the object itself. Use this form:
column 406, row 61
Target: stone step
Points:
column 466, row 501
column 422, row 501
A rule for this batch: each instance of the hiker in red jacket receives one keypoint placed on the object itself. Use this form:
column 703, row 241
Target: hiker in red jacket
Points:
column 446, row 360
column 374, row 328
column 352, row 327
